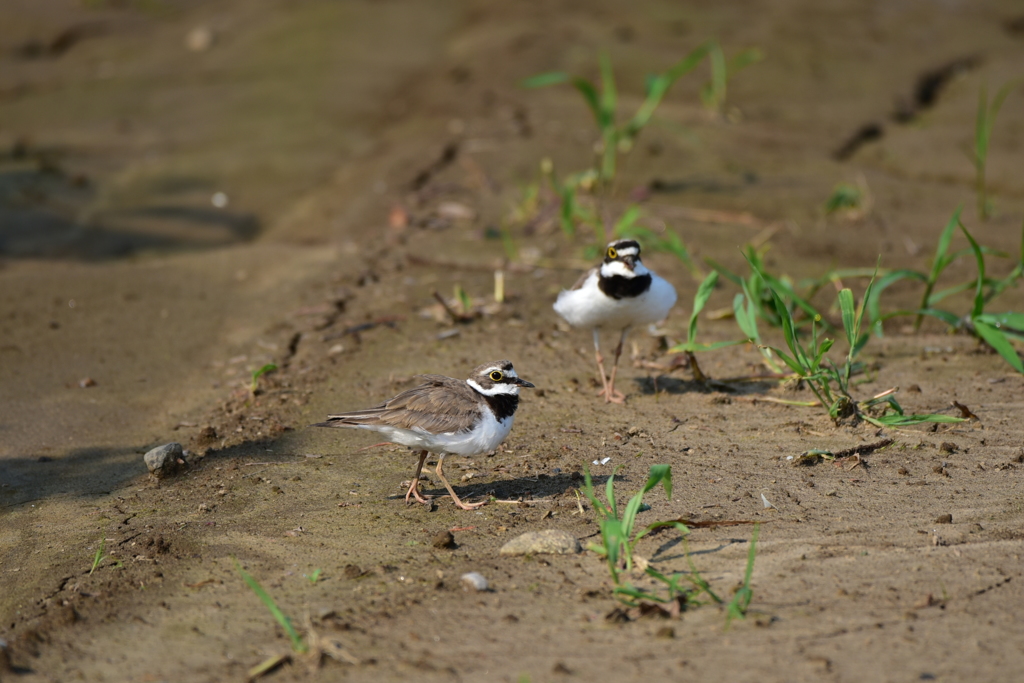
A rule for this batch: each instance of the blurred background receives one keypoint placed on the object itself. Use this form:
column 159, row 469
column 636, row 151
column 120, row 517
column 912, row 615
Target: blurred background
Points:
column 176, row 177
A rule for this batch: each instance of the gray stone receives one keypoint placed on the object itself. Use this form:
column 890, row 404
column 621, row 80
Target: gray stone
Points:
column 165, row 460
column 473, row 581
column 549, row 541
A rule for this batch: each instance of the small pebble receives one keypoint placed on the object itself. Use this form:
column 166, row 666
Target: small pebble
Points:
column 165, row 460
column 549, row 541
column 199, row 39
column 944, row 519
column 473, row 581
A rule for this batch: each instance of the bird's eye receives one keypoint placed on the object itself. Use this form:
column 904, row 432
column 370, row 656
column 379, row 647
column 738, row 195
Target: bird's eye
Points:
column 496, row 376
column 612, row 253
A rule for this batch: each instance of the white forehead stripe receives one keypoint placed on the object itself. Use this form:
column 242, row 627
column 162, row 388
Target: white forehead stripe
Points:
column 496, row 390
column 508, row 373
column 628, row 251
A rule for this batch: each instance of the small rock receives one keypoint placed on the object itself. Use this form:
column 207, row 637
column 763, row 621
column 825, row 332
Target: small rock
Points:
column 455, row 211
column 199, row 39
column 5, row 659
column 443, row 539
column 86, row 382
column 473, row 581
column 549, row 541
column 165, row 460
column 352, row 571
column 948, row 447
column 944, row 519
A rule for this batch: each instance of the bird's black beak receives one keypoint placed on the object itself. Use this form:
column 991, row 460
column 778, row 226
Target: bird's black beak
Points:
column 630, row 261
column 522, row 383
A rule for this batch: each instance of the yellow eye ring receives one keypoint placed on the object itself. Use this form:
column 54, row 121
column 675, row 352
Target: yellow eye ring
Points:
column 496, row 376
column 612, row 253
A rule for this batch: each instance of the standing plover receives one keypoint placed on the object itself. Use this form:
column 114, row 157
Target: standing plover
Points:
column 445, row 416
column 620, row 293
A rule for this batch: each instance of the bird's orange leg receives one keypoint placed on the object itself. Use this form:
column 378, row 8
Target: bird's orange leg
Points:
column 610, row 395
column 414, row 486
column 451, row 491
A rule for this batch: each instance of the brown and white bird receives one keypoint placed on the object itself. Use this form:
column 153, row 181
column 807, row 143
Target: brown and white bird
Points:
column 445, row 416
column 620, row 293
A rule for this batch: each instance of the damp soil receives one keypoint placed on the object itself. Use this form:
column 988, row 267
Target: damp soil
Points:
column 192, row 191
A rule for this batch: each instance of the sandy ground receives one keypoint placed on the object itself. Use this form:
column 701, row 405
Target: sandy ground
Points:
column 315, row 120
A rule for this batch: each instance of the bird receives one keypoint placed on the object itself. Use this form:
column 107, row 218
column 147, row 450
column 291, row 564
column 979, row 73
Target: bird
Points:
column 618, row 294
column 445, row 416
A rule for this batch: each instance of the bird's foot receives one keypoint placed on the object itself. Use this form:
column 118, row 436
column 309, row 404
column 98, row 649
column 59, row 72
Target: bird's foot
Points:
column 413, row 492
column 612, row 395
column 469, row 506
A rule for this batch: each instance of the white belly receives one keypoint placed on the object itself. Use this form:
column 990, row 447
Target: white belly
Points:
column 589, row 307
column 485, row 437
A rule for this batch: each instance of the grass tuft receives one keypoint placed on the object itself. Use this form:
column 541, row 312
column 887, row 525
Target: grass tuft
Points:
column 298, row 644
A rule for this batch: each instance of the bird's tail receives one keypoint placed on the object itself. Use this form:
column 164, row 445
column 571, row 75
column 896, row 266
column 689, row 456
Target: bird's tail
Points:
column 350, row 420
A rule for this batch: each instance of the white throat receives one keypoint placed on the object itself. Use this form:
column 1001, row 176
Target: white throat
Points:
column 496, row 390
column 619, row 268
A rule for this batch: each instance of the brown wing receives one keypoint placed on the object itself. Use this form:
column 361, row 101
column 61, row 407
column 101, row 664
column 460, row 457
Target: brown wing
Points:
column 441, row 404
column 583, row 278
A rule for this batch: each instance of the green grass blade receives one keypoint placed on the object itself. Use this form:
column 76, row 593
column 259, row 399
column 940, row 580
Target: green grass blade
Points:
column 744, row 59
column 846, row 305
column 979, row 293
column 910, row 420
column 745, row 317
column 998, row 341
column 1017, row 273
column 659, row 474
column 590, row 495
column 567, row 214
column 679, row 526
column 626, row 225
column 951, row 319
column 1014, row 321
column 609, row 96
column 695, row 578
column 611, row 534
column 737, row 608
column 298, row 644
column 725, row 272
column 699, row 301
column 713, row 94
column 659, row 86
column 786, row 319
column 589, row 92
column 710, row 346
column 939, row 262
column 859, row 340
column 873, row 300
column 956, row 289
column 791, row 362
column 545, row 79
column 981, row 129
column 609, row 492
